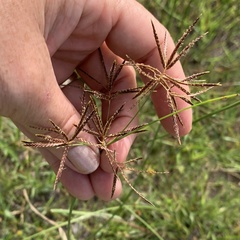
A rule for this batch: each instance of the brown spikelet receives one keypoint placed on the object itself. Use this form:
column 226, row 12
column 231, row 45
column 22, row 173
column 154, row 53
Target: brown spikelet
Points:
column 156, row 77
column 61, row 167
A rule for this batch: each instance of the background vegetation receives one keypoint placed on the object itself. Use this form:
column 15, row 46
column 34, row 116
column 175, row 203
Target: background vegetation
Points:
column 199, row 199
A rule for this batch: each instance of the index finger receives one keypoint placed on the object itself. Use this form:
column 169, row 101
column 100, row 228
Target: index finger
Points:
column 132, row 34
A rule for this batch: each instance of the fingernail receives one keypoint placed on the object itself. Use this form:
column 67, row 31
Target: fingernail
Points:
column 84, row 158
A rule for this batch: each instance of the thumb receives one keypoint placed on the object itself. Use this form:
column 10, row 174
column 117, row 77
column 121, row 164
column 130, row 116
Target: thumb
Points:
column 59, row 107
column 33, row 96
column 84, row 157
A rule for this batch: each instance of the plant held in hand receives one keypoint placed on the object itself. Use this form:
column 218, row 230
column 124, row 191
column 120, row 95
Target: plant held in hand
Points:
column 92, row 117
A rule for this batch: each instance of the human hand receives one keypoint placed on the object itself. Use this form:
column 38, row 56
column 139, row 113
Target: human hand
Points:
column 42, row 42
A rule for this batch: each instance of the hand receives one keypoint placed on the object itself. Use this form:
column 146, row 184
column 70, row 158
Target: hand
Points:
column 42, row 42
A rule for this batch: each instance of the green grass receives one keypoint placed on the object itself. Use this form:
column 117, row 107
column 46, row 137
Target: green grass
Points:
column 198, row 199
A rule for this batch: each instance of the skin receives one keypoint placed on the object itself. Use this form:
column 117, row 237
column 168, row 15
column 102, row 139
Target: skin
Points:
column 42, row 42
